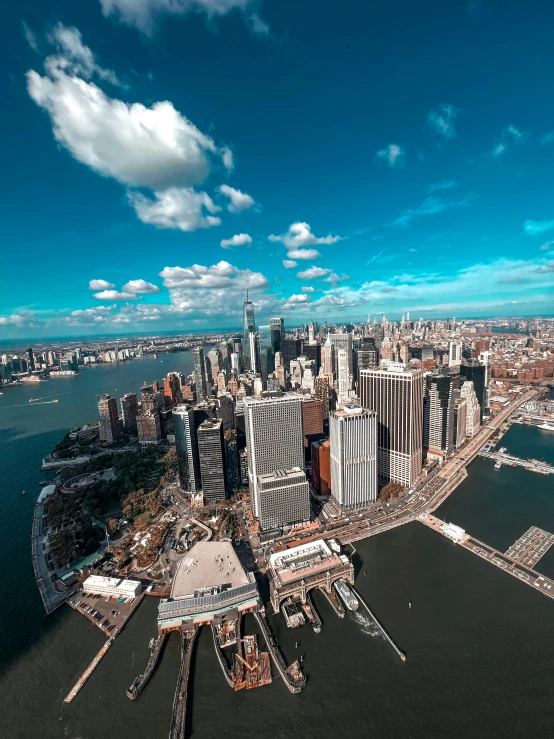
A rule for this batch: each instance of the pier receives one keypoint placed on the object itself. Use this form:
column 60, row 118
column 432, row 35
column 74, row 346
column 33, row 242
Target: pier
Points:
column 505, row 562
column 227, row 674
column 87, row 673
column 334, row 602
column 139, row 683
column 380, row 626
column 178, row 718
column 311, row 614
column 294, row 683
column 533, row 465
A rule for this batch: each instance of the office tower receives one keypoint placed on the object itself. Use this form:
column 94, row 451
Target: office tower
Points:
column 395, row 392
column 313, row 352
column 226, row 411
column 129, row 410
column 290, row 349
column 199, row 373
column 221, row 382
column 342, row 341
column 151, row 399
column 473, row 414
column 186, row 446
column 321, row 392
column 234, row 386
column 277, row 330
column 438, row 416
column 454, row 353
column 379, row 335
column 30, row 360
column 460, row 419
column 343, row 376
column 311, row 334
column 275, row 442
column 212, row 462
column 427, row 353
column 308, row 374
column 249, row 326
column 253, row 353
column 312, row 417
column 149, row 428
column 282, row 377
column 216, row 361
column 267, row 354
column 475, row 372
column 353, row 438
column 295, row 374
column 321, row 466
column 328, row 358
column 110, row 427
column 172, row 390
column 166, row 423
column 5, row 373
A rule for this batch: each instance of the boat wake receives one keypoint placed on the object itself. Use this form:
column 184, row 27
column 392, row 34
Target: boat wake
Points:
column 366, row 624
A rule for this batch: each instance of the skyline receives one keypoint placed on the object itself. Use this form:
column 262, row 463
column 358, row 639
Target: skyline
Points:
column 150, row 182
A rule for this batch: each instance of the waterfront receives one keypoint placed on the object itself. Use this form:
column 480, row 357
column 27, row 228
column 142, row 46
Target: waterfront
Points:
column 479, row 643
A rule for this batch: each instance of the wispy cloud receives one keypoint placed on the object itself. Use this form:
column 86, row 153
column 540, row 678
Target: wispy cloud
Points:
column 442, row 120
column 510, row 135
column 431, row 206
column 547, row 138
column 30, row 36
column 393, row 154
column 441, row 185
column 375, row 257
column 532, row 228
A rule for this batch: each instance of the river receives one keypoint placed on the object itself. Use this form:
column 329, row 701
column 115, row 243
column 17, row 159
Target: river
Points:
column 480, row 643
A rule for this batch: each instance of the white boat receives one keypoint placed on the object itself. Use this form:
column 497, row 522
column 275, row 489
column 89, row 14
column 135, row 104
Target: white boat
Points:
column 545, row 426
column 346, row 595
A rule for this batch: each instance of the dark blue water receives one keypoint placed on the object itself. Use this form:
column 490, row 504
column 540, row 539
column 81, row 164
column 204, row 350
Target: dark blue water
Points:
column 480, row 643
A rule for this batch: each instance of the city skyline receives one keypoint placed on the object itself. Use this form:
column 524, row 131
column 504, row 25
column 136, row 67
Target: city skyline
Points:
column 435, row 200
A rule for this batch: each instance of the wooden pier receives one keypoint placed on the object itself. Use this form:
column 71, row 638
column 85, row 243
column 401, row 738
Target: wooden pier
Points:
column 88, row 672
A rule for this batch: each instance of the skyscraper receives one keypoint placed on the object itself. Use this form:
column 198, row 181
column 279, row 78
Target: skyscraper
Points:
column 110, row 427
column 275, row 443
column 353, row 437
column 212, row 462
column 186, row 446
column 30, row 360
column 149, row 429
column 321, row 391
column 249, row 325
column 129, row 410
column 343, row 376
column 454, row 353
column 395, row 392
column 328, row 358
column 253, row 351
column 277, row 329
column 342, row 341
column 460, row 419
column 475, row 372
column 199, row 373
column 438, row 416
column 473, row 416
column 267, row 354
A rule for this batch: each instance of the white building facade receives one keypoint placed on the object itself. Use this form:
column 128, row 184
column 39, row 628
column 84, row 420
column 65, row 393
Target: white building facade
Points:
column 353, row 437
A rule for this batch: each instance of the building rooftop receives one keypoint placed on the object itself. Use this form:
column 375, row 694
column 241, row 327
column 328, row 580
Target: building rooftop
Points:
column 303, row 561
column 208, row 564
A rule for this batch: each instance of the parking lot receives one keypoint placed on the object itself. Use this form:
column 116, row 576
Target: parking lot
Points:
column 106, row 612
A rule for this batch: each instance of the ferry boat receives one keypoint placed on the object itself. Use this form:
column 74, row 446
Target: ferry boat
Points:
column 346, row 595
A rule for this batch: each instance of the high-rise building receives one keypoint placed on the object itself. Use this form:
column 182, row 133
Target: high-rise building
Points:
column 277, row 330
column 321, row 466
column 172, row 390
column 474, row 371
column 353, row 438
column 129, row 410
column 438, row 416
column 312, row 417
column 313, row 352
column 149, row 429
column 473, row 415
column 212, row 461
column 267, row 354
column 328, row 358
column 249, row 326
column 275, row 443
column 110, row 426
column 199, row 373
column 30, row 360
column 343, row 376
column 186, row 446
column 454, row 353
column 290, row 350
column 151, row 399
column 321, row 392
column 253, row 352
column 460, row 419
column 342, row 341
column 395, row 392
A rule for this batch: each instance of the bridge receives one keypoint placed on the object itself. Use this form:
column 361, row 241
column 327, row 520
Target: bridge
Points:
column 533, row 465
column 503, row 561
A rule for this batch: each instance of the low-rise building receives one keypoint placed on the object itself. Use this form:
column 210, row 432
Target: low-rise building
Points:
column 97, row 584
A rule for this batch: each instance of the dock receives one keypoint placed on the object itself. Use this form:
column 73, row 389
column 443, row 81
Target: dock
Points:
column 252, row 667
column 380, row 626
column 295, row 682
column 503, row 561
column 533, row 465
column 179, row 715
column 140, row 682
column 311, row 614
column 227, row 674
column 531, row 547
column 334, row 602
column 87, row 673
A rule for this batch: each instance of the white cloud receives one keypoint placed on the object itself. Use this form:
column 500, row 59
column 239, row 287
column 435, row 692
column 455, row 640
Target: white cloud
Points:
column 144, row 13
column 442, row 120
column 393, row 155
column 140, row 286
column 74, row 58
column 307, row 289
column 30, row 36
column 179, row 208
column 289, row 264
column 228, row 158
column 237, row 240
column 432, row 206
column 546, row 246
column 238, row 200
column 21, row 319
column 303, row 254
column 100, row 285
column 532, row 228
column 300, row 234
column 510, row 135
column 114, row 295
column 313, row 273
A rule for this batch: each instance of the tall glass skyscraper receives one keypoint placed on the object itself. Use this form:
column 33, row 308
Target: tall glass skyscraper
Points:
column 249, row 326
column 277, row 329
column 199, row 373
column 267, row 356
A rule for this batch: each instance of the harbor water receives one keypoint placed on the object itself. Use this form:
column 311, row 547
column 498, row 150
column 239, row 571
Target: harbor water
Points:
column 479, row 643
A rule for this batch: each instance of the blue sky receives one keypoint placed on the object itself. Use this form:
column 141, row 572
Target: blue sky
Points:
column 340, row 158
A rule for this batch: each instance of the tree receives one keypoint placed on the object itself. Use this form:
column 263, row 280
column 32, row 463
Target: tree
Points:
column 111, row 525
